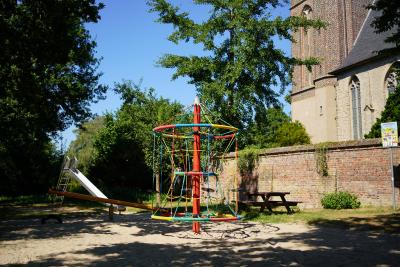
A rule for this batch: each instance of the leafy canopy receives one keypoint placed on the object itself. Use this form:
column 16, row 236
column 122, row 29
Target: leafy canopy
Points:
column 241, row 67
column 292, row 133
column 389, row 19
column 47, row 64
column 390, row 113
column 47, row 80
column 265, row 126
column 124, row 148
column 82, row 147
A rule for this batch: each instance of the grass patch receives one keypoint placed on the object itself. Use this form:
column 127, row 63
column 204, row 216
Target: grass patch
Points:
column 24, row 200
column 357, row 219
column 35, row 211
column 25, row 207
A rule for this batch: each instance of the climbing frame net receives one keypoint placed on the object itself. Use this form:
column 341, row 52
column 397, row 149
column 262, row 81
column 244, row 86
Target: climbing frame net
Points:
column 187, row 161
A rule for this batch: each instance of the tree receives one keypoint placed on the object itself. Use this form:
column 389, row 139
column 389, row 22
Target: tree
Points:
column 242, row 66
column 389, row 19
column 124, row 148
column 47, row 80
column 292, row 133
column 82, row 147
column 390, row 113
column 263, row 130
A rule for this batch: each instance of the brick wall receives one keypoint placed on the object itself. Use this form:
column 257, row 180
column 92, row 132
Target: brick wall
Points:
column 360, row 167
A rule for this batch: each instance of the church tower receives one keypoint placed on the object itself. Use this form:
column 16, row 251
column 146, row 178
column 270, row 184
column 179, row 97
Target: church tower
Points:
column 313, row 93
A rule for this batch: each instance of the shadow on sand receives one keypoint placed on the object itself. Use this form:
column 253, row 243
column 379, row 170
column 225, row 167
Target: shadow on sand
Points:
column 241, row 244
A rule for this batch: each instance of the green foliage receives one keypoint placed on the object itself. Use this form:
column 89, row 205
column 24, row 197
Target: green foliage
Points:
column 288, row 97
column 237, row 76
column 273, row 128
column 47, row 80
column 292, row 133
column 265, row 127
column 340, row 200
column 389, row 19
column 248, row 159
column 25, row 199
column 124, row 148
column 321, row 159
column 28, row 168
column 390, row 113
column 128, row 193
column 82, row 147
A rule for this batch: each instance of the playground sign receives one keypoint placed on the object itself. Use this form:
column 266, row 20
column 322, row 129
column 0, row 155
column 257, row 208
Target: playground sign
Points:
column 389, row 134
column 390, row 139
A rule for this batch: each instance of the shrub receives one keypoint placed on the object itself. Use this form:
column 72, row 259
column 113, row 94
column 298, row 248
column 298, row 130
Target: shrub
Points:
column 291, row 134
column 340, row 200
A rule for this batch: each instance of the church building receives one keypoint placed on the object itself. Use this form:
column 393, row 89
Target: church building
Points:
column 341, row 98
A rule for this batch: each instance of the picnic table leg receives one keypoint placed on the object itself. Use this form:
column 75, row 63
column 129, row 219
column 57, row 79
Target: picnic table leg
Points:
column 265, row 204
column 289, row 210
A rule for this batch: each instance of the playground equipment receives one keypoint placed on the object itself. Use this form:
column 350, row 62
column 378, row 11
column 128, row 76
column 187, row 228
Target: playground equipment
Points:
column 68, row 170
column 70, row 167
column 189, row 154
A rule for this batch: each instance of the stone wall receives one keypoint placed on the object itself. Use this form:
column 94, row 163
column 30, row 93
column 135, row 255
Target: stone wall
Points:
column 373, row 96
column 359, row 167
column 317, row 113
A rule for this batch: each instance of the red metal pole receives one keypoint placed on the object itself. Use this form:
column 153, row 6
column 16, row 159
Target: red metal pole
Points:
column 196, row 166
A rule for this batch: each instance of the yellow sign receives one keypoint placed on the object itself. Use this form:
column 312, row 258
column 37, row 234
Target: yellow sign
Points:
column 389, row 134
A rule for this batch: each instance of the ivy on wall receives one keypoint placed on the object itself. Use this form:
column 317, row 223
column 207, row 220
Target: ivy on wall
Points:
column 248, row 159
column 321, row 159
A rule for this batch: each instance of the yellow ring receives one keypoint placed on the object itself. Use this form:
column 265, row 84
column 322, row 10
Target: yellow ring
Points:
column 227, row 127
column 161, row 218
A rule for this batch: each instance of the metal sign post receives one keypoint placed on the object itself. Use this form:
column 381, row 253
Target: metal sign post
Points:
column 393, row 188
column 390, row 139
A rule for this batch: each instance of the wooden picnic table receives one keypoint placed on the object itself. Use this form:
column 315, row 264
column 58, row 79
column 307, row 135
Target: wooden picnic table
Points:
column 268, row 203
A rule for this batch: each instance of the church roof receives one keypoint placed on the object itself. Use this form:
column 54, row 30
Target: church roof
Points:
column 367, row 44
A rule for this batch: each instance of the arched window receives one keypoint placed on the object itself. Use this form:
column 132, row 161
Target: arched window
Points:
column 391, row 78
column 356, row 107
column 305, row 47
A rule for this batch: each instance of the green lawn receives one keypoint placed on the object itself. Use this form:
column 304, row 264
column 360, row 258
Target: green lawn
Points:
column 363, row 218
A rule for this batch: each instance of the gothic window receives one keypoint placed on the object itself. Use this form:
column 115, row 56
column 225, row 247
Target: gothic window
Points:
column 391, row 78
column 305, row 47
column 356, row 107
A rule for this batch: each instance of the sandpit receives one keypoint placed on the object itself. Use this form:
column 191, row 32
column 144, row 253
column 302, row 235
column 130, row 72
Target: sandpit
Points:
column 135, row 240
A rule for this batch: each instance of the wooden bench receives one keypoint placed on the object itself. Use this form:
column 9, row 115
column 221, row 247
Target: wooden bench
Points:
column 275, row 203
column 269, row 203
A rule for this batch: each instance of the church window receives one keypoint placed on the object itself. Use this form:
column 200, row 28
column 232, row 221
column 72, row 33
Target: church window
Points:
column 391, row 78
column 356, row 107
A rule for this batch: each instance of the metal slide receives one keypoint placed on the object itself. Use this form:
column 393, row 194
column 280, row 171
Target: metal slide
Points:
column 69, row 167
column 88, row 185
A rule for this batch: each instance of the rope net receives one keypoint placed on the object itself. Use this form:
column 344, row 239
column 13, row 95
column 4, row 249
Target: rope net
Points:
column 187, row 165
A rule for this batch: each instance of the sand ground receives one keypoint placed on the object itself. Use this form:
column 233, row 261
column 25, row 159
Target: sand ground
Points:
column 136, row 240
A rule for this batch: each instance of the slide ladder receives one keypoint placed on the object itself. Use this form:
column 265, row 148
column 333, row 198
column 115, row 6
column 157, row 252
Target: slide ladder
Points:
column 63, row 181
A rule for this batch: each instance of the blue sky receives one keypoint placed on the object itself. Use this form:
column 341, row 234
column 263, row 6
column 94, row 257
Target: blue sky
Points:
column 130, row 43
